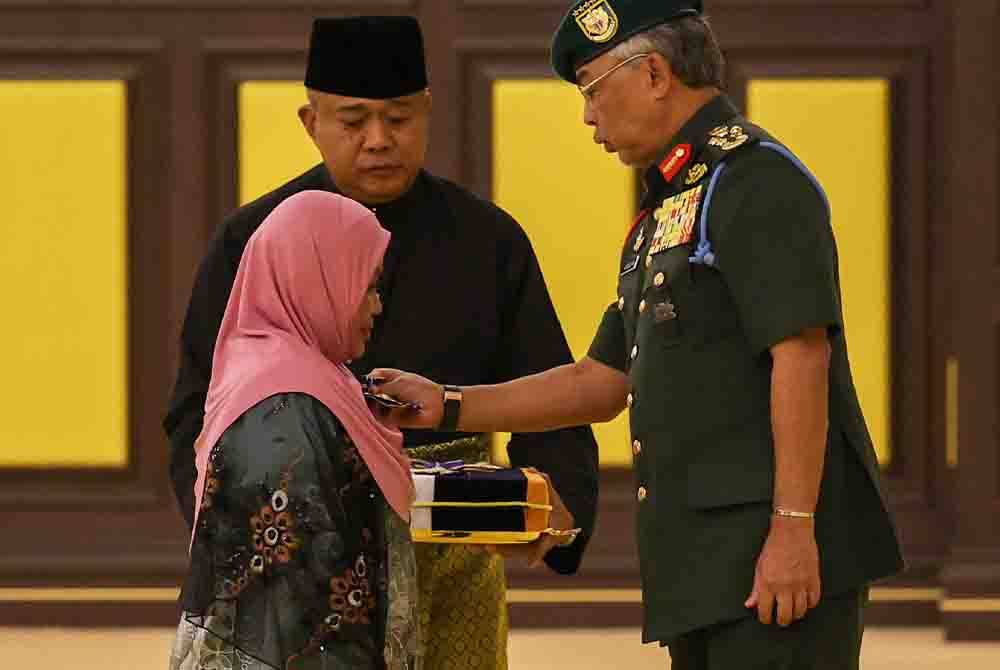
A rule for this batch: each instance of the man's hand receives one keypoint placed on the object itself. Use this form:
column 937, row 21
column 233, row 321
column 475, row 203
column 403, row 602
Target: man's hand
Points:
column 408, row 387
column 559, row 519
column 786, row 582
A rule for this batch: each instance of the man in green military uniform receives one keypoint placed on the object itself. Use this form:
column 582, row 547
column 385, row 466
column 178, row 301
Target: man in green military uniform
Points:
column 760, row 519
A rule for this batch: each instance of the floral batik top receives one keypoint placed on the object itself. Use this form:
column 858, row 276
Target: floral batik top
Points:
column 288, row 565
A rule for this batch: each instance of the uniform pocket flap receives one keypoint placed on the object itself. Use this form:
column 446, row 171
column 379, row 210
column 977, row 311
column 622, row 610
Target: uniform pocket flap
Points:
column 712, row 485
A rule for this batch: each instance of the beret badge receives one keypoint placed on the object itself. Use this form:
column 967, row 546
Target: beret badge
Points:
column 597, row 20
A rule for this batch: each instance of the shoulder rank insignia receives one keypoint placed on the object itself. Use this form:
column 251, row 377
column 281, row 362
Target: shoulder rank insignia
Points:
column 675, row 220
column 696, row 173
column 727, row 138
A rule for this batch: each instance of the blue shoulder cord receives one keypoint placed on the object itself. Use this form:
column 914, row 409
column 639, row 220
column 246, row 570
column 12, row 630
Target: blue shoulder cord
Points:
column 703, row 254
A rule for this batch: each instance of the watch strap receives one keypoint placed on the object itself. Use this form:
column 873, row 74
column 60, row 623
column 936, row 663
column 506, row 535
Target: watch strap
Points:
column 452, row 408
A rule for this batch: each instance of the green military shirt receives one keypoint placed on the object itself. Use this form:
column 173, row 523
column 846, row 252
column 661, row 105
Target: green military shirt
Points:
column 695, row 318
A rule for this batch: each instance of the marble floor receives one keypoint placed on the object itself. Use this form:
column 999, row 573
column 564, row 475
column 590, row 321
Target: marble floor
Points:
column 591, row 649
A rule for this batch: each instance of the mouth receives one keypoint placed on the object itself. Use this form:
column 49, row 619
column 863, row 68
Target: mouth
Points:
column 382, row 170
column 605, row 144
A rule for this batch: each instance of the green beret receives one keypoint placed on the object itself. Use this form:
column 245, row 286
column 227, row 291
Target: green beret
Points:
column 592, row 27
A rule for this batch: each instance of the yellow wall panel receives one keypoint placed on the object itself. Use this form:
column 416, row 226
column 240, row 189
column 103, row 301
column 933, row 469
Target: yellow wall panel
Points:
column 63, row 263
column 273, row 145
column 575, row 202
column 840, row 129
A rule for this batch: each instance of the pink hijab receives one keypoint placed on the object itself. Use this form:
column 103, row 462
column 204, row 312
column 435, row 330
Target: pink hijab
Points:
column 300, row 282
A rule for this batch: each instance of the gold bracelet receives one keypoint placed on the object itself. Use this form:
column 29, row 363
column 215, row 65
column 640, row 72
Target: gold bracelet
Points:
column 781, row 511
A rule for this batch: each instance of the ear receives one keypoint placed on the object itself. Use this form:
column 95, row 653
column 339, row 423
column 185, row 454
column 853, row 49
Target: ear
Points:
column 661, row 76
column 307, row 115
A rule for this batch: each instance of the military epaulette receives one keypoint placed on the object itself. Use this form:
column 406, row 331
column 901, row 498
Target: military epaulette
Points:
column 723, row 141
column 722, row 144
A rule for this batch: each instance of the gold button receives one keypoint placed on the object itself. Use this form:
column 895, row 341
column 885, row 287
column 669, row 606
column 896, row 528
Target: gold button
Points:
column 636, row 447
column 642, row 306
column 641, row 493
column 629, row 400
column 635, row 351
column 649, row 261
column 621, row 302
column 659, row 279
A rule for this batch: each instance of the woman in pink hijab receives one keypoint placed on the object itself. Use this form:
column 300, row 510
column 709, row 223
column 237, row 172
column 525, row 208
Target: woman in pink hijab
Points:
column 303, row 493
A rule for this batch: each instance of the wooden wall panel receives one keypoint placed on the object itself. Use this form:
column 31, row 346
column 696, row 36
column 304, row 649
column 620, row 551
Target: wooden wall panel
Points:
column 183, row 59
column 971, row 574
column 227, row 63
column 94, row 527
column 321, row 6
column 88, row 522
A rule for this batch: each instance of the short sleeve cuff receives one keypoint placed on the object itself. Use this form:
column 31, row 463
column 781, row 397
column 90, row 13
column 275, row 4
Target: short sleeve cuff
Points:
column 608, row 346
column 766, row 333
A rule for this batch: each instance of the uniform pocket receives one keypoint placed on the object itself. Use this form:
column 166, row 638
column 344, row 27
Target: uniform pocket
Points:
column 717, row 316
column 666, row 276
column 716, row 485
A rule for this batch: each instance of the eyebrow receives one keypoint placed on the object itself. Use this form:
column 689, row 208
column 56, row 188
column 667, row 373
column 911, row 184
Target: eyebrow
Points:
column 362, row 108
column 356, row 108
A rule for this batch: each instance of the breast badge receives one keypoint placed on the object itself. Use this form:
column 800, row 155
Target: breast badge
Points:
column 696, row 173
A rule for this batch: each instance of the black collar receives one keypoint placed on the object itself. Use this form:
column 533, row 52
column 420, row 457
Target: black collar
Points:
column 394, row 209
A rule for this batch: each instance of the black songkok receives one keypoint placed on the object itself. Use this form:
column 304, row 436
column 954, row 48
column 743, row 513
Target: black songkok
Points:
column 374, row 57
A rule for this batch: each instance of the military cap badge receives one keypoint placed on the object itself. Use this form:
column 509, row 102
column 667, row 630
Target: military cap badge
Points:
column 597, row 20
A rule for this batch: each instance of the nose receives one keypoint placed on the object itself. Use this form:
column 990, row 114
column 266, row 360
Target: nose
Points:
column 377, row 136
column 589, row 119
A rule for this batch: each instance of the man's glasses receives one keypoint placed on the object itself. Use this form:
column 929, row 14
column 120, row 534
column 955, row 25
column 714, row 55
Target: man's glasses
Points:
column 586, row 91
